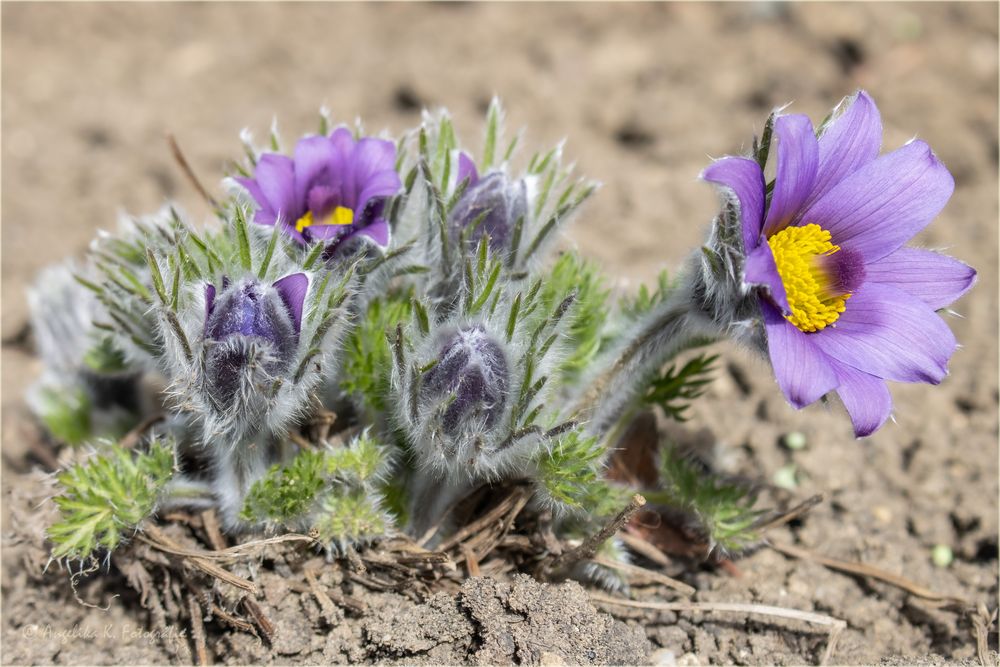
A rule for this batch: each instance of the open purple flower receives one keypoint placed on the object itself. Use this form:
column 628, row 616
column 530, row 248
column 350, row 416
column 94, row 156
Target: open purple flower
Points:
column 493, row 203
column 332, row 190
column 845, row 305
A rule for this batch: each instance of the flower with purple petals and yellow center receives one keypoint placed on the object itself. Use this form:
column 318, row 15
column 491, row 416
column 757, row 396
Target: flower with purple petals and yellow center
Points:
column 846, row 305
column 332, row 190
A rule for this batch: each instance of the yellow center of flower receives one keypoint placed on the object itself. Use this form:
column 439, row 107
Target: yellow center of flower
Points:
column 340, row 216
column 814, row 301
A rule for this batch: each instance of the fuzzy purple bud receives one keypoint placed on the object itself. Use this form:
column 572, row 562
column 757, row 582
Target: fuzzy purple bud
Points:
column 472, row 373
column 251, row 324
column 498, row 201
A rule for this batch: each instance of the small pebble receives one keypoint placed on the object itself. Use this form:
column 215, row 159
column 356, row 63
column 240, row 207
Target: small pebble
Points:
column 795, row 440
column 942, row 555
column 785, row 477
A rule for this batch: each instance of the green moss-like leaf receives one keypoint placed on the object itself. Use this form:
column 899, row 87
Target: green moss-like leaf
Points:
column 286, row 491
column 107, row 497
column 570, row 476
column 350, row 516
column 590, row 310
column 725, row 509
column 367, row 361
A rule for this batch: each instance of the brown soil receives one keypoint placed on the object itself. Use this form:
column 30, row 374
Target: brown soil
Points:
column 644, row 93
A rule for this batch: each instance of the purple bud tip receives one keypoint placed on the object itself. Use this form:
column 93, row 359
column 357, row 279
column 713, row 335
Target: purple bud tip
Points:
column 499, row 200
column 472, row 373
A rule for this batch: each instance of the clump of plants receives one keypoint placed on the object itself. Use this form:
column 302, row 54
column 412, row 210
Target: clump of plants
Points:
column 372, row 330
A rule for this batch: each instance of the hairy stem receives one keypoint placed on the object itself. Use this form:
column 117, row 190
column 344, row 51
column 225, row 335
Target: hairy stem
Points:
column 623, row 372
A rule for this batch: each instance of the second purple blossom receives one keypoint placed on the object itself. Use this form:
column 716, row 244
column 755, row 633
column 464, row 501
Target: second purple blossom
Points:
column 332, row 190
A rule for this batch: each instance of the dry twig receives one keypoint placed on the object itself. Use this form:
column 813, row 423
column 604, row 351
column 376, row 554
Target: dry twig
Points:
column 836, row 625
column 864, row 570
column 198, row 632
column 589, row 547
column 175, row 151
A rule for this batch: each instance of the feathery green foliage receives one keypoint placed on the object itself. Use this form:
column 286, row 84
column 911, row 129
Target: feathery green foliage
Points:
column 367, row 360
column 570, row 476
column 725, row 509
column 286, row 491
column 107, row 497
column 590, row 310
column 350, row 515
column 673, row 390
column 633, row 307
column 331, row 489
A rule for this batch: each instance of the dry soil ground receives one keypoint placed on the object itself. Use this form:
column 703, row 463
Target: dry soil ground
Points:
column 645, row 94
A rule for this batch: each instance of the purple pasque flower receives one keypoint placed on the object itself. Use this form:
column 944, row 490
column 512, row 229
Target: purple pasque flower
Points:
column 333, row 189
column 251, row 319
column 494, row 200
column 845, row 305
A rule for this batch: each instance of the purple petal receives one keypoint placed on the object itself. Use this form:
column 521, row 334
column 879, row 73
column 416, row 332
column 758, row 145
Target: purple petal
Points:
column 372, row 156
column 268, row 218
column 866, row 398
column 881, row 206
column 292, row 290
column 760, row 269
column 250, row 185
column 342, row 140
column 377, row 232
column 209, row 300
column 275, row 175
column 848, row 143
column 382, row 184
column 746, row 181
column 798, row 156
column 467, row 169
column 327, row 232
column 888, row 333
column 313, row 157
column 803, row 372
column 935, row 279
column 288, row 226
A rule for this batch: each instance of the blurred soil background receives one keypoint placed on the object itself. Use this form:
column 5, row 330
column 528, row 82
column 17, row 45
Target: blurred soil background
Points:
column 645, row 94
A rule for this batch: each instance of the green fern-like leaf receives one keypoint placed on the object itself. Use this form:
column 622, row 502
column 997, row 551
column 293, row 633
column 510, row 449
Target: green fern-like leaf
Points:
column 107, row 497
column 634, row 307
column 674, row 389
column 367, row 364
column 286, row 491
column 590, row 310
column 724, row 508
column 570, row 476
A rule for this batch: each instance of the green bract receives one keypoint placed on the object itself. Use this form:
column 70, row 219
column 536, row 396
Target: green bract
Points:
column 106, row 498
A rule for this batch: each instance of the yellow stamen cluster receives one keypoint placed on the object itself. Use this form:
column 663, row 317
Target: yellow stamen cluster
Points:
column 340, row 216
column 796, row 251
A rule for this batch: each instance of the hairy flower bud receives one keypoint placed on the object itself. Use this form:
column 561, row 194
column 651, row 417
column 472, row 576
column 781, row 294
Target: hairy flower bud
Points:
column 496, row 202
column 250, row 323
column 471, row 377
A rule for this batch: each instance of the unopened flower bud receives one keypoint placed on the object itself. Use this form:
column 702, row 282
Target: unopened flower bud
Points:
column 472, row 372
